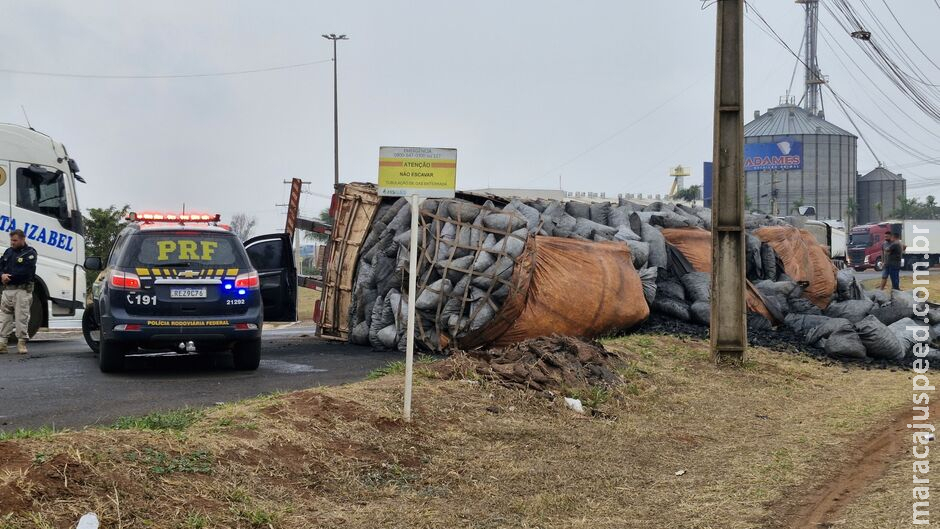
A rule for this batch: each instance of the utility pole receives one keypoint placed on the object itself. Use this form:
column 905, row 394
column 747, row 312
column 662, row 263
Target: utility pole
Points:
column 334, row 37
column 728, row 322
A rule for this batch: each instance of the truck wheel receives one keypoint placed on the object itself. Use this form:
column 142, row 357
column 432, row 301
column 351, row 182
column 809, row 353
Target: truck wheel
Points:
column 36, row 312
column 860, row 269
column 247, row 355
column 879, row 266
column 91, row 330
column 111, row 356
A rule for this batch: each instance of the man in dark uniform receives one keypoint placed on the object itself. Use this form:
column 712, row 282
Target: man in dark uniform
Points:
column 17, row 273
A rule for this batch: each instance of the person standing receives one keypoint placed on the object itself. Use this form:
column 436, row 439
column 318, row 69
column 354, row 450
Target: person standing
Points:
column 18, row 274
column 891, row 252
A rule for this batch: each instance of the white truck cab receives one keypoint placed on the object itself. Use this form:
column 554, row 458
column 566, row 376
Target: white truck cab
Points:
column 37, row 195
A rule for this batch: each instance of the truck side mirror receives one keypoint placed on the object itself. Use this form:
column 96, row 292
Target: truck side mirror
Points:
column 93, row 263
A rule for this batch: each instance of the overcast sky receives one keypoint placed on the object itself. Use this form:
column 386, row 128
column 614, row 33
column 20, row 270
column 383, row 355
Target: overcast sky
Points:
column 604, row 96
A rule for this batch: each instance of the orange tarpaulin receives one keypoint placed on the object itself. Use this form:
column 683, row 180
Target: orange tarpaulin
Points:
column 579, row 288
column 696, row 245
column 804, row 259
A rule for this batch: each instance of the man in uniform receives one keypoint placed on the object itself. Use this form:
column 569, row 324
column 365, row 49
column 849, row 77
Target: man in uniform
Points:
column 17, row 273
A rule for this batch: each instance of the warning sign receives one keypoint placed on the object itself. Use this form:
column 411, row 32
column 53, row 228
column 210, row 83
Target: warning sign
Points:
column 426, row 172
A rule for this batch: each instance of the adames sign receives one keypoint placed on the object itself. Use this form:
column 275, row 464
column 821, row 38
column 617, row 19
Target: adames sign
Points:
column 774, row 156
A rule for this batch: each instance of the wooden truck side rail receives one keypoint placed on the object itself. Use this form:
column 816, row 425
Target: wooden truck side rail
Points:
column 353, row 208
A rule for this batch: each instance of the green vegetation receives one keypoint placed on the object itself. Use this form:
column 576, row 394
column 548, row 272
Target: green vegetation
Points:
column 28, row 433
column 172, row 420
column 158, row 462
column 398, row 367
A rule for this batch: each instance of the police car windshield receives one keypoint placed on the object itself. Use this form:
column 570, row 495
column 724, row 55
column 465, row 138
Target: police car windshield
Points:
column 184, row 249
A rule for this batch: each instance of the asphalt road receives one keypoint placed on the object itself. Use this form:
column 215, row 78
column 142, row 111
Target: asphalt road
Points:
column 58, row 384
column 872, row 274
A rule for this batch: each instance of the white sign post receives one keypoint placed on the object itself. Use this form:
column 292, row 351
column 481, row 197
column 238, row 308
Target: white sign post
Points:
column 415, row 172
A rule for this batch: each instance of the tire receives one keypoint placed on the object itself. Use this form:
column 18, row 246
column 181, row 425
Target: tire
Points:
column 36, row 313
column 247, row 355
column 89, row 326
column 879, row 266
column 860, row 269
column 111, row 356
column 37, row 310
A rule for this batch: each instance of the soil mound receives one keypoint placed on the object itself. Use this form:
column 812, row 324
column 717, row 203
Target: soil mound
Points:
column 552, row 363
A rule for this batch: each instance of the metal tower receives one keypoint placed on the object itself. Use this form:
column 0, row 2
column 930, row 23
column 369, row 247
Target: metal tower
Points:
column 812, row 98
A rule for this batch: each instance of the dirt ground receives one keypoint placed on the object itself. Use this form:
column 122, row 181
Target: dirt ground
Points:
column 678, row 443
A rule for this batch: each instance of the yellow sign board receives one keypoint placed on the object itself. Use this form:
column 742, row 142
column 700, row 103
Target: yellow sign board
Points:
column 425, row 172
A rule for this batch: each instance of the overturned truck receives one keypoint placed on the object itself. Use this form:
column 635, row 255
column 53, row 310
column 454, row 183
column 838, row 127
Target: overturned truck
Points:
column 494, row 271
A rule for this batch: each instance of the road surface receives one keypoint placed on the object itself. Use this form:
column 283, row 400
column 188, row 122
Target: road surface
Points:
column 58, row 384
column 871, row 273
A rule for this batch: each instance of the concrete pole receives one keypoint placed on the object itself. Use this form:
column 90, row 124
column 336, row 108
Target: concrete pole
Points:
column 728, row 322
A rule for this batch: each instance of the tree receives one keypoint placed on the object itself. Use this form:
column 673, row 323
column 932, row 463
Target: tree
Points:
column 930, row 204
column 689, row 194
column 796, row 204
column 880, row 209
column 102, row 227
column 325, row 218
column 851, row 208
column 242, row 225
column 908, row 208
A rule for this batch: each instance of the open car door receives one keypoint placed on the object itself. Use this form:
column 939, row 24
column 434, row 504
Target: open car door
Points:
column 273, row 258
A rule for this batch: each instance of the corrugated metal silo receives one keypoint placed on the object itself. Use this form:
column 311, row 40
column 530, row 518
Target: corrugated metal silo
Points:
column 879, row 194
column 793, row 157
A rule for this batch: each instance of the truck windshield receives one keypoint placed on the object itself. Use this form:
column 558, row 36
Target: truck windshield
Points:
column 184, row 250
column 860, row 239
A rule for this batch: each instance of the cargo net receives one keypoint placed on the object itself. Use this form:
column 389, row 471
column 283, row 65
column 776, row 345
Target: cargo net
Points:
column 491, row 275
column 467, row 256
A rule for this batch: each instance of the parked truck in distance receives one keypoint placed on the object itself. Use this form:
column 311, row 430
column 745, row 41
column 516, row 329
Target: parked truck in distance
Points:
column 922, row 237
column 831, row 235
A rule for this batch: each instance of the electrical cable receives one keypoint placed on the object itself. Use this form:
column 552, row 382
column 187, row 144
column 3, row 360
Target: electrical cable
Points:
column 618, row 132
column 843, row 104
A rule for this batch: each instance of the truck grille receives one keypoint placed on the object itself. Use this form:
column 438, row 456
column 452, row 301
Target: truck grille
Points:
column 857, row 256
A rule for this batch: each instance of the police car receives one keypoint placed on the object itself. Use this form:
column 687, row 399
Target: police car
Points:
column 181, row 284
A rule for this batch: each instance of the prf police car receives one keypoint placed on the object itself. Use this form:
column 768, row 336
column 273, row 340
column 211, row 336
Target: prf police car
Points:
column 181, row 283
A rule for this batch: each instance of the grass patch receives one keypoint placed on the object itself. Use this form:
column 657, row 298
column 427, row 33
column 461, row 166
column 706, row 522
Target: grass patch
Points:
column 749, row 440
column 194, row 521
column 42, row 432
column 177, row 420
column 907, row 283
column 159, row 462
column 306, row 300
column 258, row 518
column 398, row 367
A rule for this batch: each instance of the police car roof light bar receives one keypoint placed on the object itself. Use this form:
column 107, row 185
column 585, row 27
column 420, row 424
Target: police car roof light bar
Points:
column 172, row 217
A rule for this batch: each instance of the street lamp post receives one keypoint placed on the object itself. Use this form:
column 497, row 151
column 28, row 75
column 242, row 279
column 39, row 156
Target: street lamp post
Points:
column 334, row 37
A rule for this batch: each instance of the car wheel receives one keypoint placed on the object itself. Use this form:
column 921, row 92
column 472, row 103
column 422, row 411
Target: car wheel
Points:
column 91, row 330
column 247, row 355
column 111, row 356
column 879, row 266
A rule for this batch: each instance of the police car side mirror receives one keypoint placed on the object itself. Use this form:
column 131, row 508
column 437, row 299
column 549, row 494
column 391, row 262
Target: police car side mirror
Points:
column 93, row 263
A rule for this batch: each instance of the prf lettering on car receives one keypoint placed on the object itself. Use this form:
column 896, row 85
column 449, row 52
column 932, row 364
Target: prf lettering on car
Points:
column 183, row 250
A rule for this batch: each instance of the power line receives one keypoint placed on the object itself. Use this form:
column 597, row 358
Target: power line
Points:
column 909, row 35
column 843, row 104
column 163, row 76
column 615, row 134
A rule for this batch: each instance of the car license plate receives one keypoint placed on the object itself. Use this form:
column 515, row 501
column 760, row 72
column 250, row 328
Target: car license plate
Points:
column 188, row 293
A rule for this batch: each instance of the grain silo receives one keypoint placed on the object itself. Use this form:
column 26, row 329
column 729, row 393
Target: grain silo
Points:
column 879, row 194
column 793, row 157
